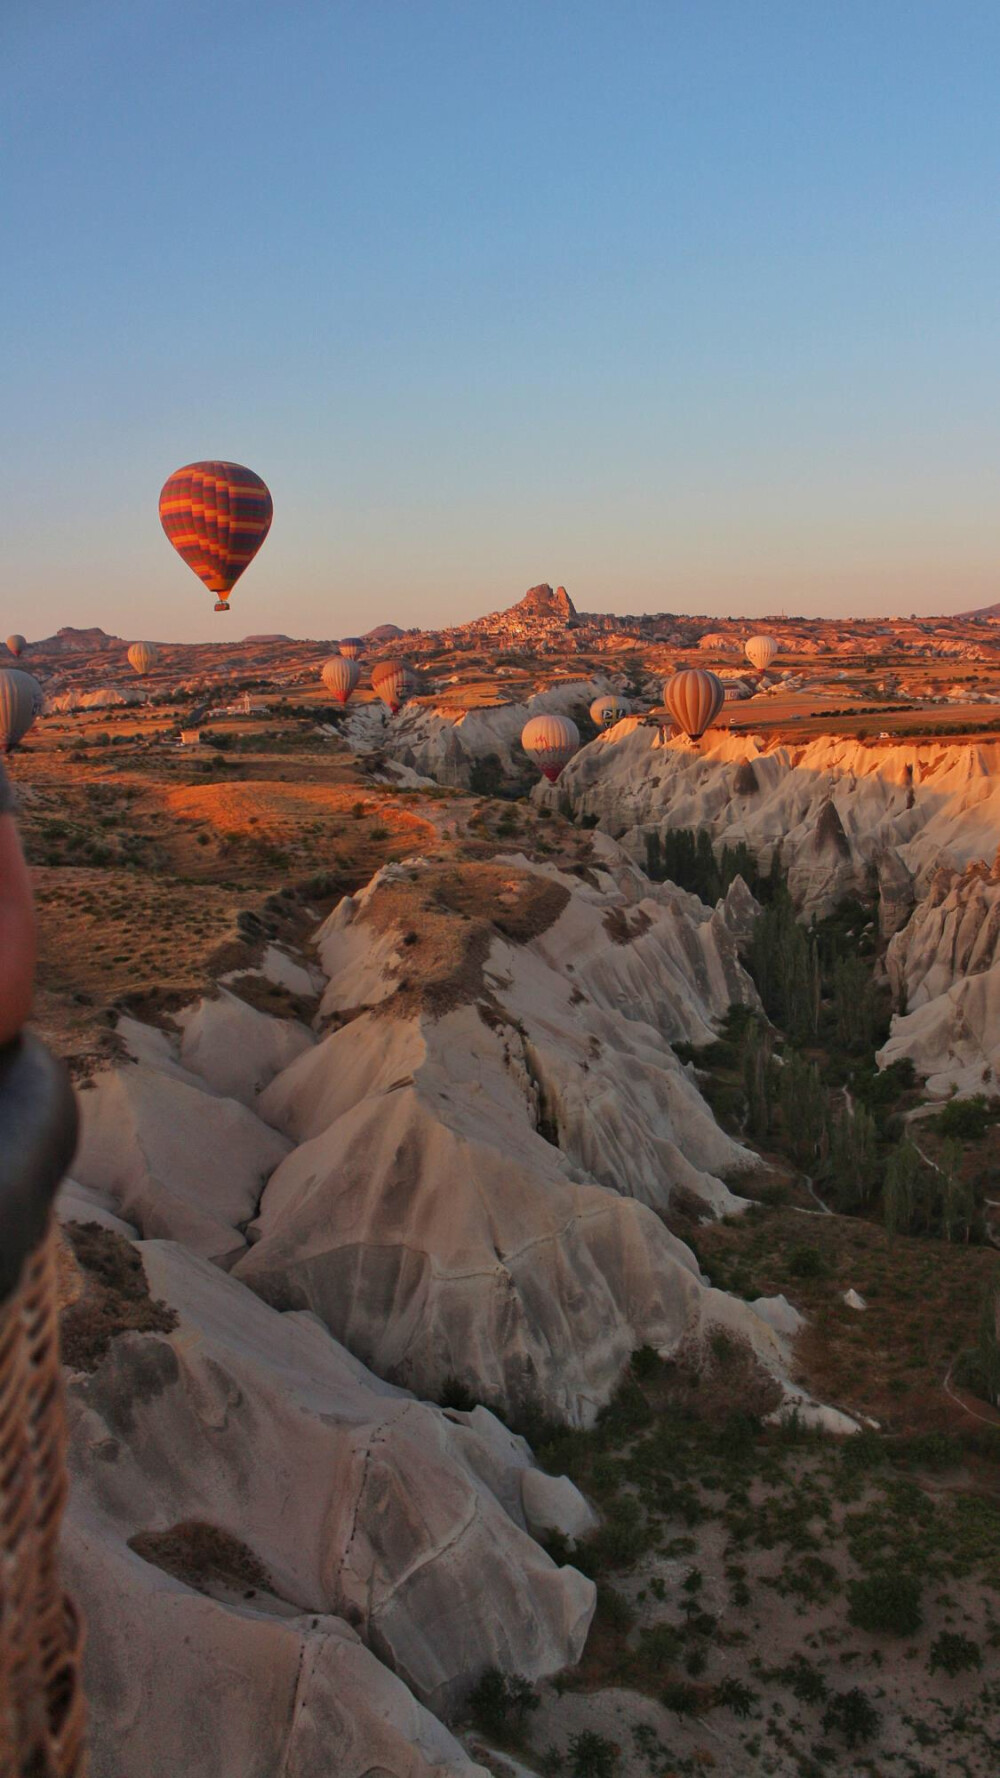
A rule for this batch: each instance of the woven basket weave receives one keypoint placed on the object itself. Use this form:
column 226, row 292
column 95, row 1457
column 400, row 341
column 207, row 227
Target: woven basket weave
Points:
column 41, row 1697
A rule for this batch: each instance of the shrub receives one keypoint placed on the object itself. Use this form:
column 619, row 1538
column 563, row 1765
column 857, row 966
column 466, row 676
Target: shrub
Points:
column 500, row 1702
column 592, row 1756
column 807, row 1262
column 680, row 1697
column 735, row 1696
column 852, row 1715
column 968, row 1119
column 954, row 1653
column 886, row 1602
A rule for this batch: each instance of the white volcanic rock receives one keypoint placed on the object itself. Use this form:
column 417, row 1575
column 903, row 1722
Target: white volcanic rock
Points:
column 180, row 1683
column 944, row 967
column 359, row 1501
column 177, row 1161
column 107, row 698
column 927, row 801
column 444, row 743
column 426, row 1214
column 236, row 1049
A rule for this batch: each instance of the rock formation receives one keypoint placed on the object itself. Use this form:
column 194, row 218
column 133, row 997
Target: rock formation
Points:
column 944, row 969
column 835, row 806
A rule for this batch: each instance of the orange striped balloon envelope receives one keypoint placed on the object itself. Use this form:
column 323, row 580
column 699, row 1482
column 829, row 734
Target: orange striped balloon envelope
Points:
column 550, row 741
column 351, row 647
column 393, row 681
column 694, row 699
column 340, row 676
column 216, row 515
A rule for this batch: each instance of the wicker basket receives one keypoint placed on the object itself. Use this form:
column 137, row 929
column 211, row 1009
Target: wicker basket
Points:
column 41, row 1698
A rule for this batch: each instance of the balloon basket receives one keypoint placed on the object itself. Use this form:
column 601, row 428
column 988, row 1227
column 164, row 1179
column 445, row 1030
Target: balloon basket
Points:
column 221, row 605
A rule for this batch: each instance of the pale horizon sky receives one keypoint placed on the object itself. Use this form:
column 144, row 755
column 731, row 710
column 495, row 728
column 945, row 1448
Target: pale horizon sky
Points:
column 687, row 305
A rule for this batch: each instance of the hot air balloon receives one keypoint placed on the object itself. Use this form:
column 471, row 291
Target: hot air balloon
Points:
column 142, row 656
column 760, row 652
column 550, row 741
column 16, row 645
column 694, row 699
column 216, row 515
column 20, row 702
column 340, row 676
column 351, row 647
column 393, row 682
column 608, row 709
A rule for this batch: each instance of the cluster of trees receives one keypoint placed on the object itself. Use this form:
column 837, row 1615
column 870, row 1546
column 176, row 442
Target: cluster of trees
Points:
column 685, row 856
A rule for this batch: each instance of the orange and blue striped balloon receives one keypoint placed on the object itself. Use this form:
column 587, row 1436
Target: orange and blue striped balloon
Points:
column 216, row 515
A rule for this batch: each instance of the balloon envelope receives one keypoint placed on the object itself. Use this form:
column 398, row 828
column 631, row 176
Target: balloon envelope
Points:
column 760, row 652
column 393, row 681
column 351, row 646
column 550, row 741
column 694, row 699
column 20, row 702
column 16, row 644
column 216, row 515
column 608, row 710
column 340, row 676
column 142, row 656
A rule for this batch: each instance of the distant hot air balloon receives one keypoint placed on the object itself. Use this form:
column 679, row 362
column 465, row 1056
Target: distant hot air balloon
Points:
column 351, row 647
column 760, row 652
column 216, row 515
column 608, row 709
column 20, row 702
column 550, row 741
column 694, row 699
column 142, row 656
column 393, row 682
column 340, row 676
column 16, row 644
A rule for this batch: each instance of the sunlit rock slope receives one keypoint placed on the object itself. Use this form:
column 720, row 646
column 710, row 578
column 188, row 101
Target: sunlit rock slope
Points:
column 835, row 806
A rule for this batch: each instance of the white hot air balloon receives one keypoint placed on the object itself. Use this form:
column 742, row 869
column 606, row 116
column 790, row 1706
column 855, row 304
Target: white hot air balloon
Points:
column 694, row 699
column 549, row 741
column 608, row 709
column 20, row 702
column 142, row 656
column 760, row 652
column 340, row 676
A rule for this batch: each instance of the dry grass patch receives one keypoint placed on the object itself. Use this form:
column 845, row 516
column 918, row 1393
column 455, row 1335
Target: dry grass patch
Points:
column 201, row 1554
column 115, row 1297
column 447, row 917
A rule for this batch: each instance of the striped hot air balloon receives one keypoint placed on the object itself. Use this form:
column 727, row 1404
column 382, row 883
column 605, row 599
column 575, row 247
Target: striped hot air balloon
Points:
column 340, row 676
column 760, row 652
column 608, row 709
column 20, row 702
column 351, row 647
column 142, row 656
column 694, row 699
column 550, row 741
column 393, row 682
column 16, row 645
column 216, row 515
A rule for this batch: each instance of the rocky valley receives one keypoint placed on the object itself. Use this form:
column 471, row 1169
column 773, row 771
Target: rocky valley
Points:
column 527, row 1262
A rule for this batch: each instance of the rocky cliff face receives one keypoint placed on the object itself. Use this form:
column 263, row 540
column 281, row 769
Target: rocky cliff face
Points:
column 834, row 806
column 944, row 968
column 328, row 1216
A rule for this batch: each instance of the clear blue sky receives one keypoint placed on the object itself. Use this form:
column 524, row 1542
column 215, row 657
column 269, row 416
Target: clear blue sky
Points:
column 686, row 304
